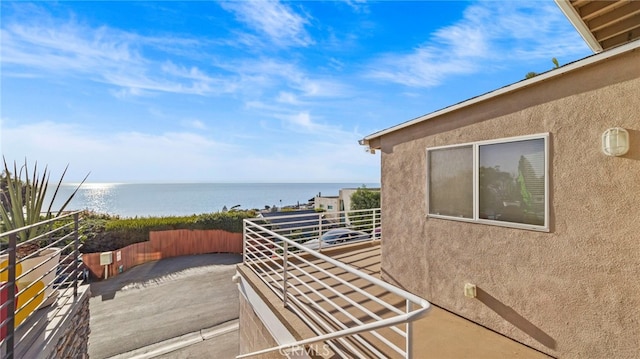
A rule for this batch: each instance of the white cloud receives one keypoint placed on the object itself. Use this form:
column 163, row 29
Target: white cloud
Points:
column 358, row 6
column 47, row 48
column 487, row 36
column 123, row 156
column 186, row 156
column 262, row 74
column 274, row 20
column 288, row 98
column 196, row 124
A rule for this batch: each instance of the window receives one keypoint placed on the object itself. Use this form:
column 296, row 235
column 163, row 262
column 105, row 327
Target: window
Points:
column 329, row 207
column 502, row 182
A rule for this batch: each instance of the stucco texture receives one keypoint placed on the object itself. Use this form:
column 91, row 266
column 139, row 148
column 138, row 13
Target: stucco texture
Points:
column 572, row 292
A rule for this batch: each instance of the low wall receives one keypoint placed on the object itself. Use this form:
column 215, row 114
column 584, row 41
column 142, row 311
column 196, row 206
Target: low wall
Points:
column 165, row 244
column 74, row 342
column 60, row 330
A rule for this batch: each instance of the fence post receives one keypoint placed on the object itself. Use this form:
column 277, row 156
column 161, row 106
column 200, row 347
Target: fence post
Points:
column 284, row 274
column 11, row 295
column 76, row 254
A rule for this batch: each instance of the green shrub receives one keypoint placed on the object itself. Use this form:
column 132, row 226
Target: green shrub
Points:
column 228, row 221
column 114, row 233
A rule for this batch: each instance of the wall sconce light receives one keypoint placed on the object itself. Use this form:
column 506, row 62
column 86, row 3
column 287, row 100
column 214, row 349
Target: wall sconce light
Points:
column 615, row 141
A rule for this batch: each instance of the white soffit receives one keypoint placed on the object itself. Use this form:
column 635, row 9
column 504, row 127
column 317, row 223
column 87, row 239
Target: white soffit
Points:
column 575, row 19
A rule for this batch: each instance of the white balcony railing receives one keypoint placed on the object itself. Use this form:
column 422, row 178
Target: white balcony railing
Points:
column 285, row 252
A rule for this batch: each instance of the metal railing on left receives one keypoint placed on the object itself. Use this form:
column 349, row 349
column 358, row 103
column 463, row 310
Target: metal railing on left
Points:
column 41, row 272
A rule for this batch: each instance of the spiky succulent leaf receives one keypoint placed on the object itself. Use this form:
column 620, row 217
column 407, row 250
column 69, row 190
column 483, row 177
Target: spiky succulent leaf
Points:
column 26, row 209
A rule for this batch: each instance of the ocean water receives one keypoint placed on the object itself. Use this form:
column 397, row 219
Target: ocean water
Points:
column 144, row 200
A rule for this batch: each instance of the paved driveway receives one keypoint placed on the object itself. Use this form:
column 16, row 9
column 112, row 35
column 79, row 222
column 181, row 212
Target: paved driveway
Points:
column 162, row 300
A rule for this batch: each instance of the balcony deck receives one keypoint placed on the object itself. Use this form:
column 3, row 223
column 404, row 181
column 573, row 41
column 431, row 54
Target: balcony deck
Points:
column 440, row 334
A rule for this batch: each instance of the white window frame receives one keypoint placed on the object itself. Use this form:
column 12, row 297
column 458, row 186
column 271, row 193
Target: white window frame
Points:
column 476, row 179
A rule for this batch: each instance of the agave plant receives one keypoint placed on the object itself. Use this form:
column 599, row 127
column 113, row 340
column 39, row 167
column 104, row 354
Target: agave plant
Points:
column 22, row 195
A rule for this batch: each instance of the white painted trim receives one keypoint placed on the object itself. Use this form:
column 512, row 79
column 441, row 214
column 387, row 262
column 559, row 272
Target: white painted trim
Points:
column 476, row 178
column 593, row 59
column 574, row 18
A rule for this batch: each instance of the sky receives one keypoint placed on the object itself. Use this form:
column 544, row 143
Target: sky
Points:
column 250, row 91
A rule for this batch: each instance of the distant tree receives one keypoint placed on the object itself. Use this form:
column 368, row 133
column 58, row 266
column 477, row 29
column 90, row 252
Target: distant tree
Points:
column 495, row 187
column 364, row 198
column 530, row 75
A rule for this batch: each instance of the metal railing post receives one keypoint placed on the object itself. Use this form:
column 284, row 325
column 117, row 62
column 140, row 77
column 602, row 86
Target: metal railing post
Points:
column 11, row 295
column 375, row 223
column 319, row 231
column 284, row 275
column 375, row 219
column 244, row 241
column 409, row 330
column 76, row 254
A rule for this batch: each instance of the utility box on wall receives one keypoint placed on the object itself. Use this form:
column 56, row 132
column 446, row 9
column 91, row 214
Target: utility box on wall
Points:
column 106, row 258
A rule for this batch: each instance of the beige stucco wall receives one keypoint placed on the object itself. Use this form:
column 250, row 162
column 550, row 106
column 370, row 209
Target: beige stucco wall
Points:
column 573, row 292
column 325, row 202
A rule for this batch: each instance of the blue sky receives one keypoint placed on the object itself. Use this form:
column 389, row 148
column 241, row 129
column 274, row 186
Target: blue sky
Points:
column 260, row 91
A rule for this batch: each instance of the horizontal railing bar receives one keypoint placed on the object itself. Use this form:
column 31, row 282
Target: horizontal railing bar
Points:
column 357, row 289
column 315, row 329
column 40, row 250
column 353, row 287
column 264, row 255
column 49, row 258
column 342, row 310
column 47, row 221
column 349, row 300
column 408, row 317
column 318, row 214
column 52, row 237
column 303, row 260
column 324, row 323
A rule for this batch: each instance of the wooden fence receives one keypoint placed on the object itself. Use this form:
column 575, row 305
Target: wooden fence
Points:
column 165, row 244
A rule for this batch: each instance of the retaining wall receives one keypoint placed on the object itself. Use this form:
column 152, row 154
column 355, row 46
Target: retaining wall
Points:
column 165, row 244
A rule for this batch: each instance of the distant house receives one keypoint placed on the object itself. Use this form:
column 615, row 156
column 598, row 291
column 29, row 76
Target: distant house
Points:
column 327, row 203
column 517, row 193
column 339, row 203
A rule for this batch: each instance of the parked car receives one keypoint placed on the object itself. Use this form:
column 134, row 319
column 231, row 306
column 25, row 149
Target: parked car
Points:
column 336, row 237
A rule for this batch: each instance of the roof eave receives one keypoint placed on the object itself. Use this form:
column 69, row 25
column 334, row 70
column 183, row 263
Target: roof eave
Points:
column 373, row 140
column 570, row 12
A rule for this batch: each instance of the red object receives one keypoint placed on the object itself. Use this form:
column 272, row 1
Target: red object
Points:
column 4, row 312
